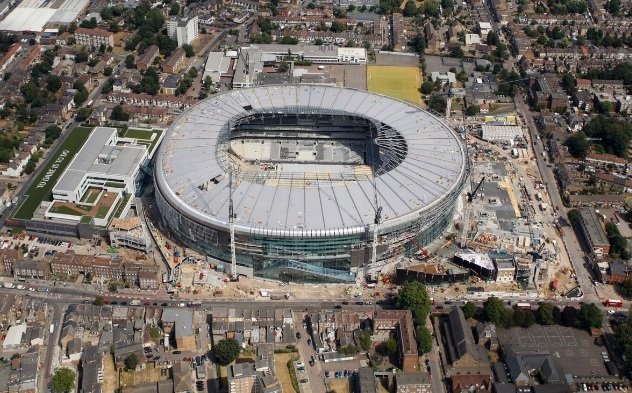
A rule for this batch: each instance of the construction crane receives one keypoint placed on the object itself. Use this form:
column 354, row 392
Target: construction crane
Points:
column 231, row 219
column 376, row 221
column 423, row 250
column 468, row 208
column 537, row 253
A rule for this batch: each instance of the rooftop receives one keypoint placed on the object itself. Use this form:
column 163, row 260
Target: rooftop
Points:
column 294, row 197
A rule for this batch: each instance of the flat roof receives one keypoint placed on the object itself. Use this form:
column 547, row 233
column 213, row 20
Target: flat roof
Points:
column 124, row 159
column 593, row 227
column 33, row 15
column 433, row 169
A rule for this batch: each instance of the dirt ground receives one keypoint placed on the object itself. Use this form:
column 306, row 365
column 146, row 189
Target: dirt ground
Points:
column 283, row 374
column 109, row 375
column 339, row 385
column 149, row 374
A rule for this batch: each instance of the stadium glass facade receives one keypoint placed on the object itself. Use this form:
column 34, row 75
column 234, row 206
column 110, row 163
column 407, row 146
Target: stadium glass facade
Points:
column 309, row 259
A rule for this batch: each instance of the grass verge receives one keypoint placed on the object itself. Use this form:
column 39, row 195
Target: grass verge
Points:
column 41, row 189
column 292, row 370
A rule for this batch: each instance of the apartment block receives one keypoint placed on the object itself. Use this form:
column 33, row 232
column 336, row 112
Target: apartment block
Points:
column 94, row 37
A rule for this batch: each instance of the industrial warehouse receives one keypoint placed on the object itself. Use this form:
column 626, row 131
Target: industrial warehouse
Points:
column 308, row 183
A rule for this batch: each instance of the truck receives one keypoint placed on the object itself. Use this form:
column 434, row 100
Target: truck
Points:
column 543, row 206
column 165, row 278
column 538, row 196
column 52, row 328
column 280, row 296
column 20, row 287
column 8, row 285
column 614, row 303
column 135, row 302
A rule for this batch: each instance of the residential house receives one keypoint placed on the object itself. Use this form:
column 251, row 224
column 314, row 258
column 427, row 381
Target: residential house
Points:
column 402, row 322
column 146, row 60
column 170, row 85
column 94, row 37
column 175, row 61
column 178, row 323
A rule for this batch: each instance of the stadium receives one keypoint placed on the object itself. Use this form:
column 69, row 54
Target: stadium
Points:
column 320, row 177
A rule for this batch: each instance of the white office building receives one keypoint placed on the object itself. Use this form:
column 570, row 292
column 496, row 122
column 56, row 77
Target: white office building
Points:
column 501, row 133
column 183, row 30
column 105, row 161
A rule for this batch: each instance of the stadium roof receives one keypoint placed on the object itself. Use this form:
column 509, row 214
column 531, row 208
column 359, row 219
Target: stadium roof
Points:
column 433, row 167
column 33, row 15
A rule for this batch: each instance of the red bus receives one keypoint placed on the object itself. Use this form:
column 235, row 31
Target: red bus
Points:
column 614, row 303
column 524, row 306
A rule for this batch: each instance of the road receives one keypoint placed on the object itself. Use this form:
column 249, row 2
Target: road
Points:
column 570, row 240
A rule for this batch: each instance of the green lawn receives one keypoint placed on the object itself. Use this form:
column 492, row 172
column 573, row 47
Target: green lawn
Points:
column 398, row 82
column 35, row 195
column 103, row 211
column 65, row 210
column 90, row 196
column 114, row 184
column 144, row 137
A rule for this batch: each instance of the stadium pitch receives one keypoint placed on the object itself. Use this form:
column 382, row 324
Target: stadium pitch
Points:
column 402, row 83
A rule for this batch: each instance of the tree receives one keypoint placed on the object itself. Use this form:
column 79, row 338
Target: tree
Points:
column 494, row 310
column 226, row 351
column 63, row 380
column 457, row 52
column 424, row 339
column 545, row 314
column 413, row 296
column 588, row 317
column 113, row 287
column 99, row 301
column 523, row 318
column 427, row 87
column 473, row 110
column 492, row 38
column 154, row 333
column 578, row 145
column 53, row 83
column 131, row 361
column 193, row 72
column 52, row 132
column 438, row 103
column 569, row 315
column 604, row 106
column 469, row 310
column 627, row 287
column 388, row 347
column 107, row 71
column 365, row 340
column 410, row 9
column 175, row 9
column 119, row 114
column 129, row 61
column 188, row 50
column 29, row 167
column 82, row 114
column 418, row 43
column 337, row 27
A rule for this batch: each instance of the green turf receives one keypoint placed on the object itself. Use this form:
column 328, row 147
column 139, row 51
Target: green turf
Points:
column 34, row 195
column 103, row 211
column 114, row 184
column 144, row 137
column 90, row 196
column 398, row 82
column 65, row 210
